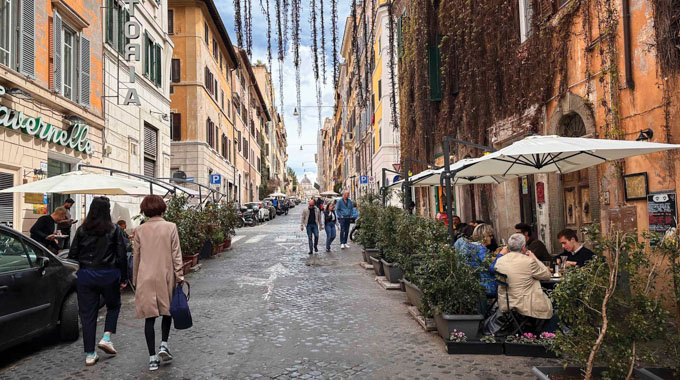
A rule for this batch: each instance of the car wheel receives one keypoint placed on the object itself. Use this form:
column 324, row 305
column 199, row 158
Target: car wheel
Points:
column 68, row 319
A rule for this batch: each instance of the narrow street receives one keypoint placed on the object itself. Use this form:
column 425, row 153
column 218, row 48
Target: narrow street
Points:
column 260, row 312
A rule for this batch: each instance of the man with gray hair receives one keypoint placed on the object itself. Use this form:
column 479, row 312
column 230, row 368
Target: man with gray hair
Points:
column 524, row 272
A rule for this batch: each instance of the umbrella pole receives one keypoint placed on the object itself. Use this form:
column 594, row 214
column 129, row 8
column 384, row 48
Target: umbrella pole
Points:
column 449, row 191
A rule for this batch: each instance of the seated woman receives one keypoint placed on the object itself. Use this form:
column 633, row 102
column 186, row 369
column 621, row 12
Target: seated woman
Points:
column 476, row 251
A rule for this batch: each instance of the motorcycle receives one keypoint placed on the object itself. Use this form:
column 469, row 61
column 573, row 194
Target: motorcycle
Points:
column 249, row 217
column 353, row 231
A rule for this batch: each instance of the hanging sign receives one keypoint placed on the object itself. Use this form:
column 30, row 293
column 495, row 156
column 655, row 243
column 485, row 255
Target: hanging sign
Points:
column 662, row 211
column 75, row 137
column 540, row 192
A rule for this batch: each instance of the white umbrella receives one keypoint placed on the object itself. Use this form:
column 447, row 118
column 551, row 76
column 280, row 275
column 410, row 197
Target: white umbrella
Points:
column 329, row 194
column 432, row 177
column 274, row 195
column 554, row 154
column 79, row 182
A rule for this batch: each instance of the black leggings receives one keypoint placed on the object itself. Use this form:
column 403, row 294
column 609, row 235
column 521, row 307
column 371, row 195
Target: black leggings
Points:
column 151, row 334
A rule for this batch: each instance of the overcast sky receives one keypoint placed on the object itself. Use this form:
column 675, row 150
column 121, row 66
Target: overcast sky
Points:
column 302, row 161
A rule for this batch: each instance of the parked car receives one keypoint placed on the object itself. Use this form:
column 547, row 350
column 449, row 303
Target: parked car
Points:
column 270, row 206
column 37, row 291
column 260, row 212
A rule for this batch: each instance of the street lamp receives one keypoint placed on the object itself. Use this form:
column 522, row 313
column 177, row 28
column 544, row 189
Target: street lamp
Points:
column 295, row 113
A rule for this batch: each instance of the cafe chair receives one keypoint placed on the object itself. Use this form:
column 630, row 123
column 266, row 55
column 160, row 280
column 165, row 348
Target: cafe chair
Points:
column 518, row 321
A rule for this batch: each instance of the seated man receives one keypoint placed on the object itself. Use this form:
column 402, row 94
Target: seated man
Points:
column 578, row 254
column 534, row 245
column 524, row 272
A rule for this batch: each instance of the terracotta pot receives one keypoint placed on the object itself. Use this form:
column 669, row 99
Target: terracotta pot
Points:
column 227, row 243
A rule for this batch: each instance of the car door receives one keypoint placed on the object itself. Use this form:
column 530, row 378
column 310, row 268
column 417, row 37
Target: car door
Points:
column 24, row 299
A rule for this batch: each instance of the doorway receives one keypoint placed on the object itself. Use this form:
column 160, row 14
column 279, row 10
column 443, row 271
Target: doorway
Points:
column 576, row 185
column 55, row 168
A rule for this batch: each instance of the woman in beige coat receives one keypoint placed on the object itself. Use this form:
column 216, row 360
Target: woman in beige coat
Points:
column 157, row 271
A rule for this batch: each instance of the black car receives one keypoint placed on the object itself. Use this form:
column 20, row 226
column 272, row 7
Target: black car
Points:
column 37, row 291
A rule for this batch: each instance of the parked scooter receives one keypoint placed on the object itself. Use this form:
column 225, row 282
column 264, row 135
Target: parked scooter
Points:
column 353, row 231
column 249, row 217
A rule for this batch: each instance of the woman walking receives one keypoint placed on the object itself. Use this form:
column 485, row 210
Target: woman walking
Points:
column 99, row 249
column 329, row 221
column 157, row 270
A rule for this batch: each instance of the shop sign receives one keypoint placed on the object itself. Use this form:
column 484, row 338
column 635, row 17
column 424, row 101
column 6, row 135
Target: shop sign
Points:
column 540, row 192
column 75, row 137
column 34, row 198
column 662, row 211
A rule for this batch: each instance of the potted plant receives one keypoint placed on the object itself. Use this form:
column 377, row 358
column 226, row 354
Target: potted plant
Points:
column 388, row 242
column 189, row 222
column 452, row 286
column 532, row 345
column 610, row 308
column 228, row 220
column 369, row 211
column 459, row 344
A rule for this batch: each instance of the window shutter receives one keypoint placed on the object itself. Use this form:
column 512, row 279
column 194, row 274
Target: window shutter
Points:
column 435, row 74
column 400, row 42
column 6, row 200
column 84, row 71
column 149, row 168
column 176, row 70
column 158, row 65
column 27, row 64
column 56, row 57
column 176, row 127
column 146, row 54
column 171, row 21
column 109, row 22
column 127, row 40
column 150, row 142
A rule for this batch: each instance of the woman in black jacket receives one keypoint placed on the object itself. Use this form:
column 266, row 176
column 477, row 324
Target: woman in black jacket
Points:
column 329, row 222
column 99, row 248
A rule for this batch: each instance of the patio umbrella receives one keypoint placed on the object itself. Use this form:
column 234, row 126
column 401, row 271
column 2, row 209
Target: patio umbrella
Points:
column 79, row 182
column 553, row 154
column 274, row 195
column 433, row 177
column 329, row 194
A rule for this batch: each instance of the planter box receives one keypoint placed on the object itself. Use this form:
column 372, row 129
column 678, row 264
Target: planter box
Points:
column 368, row 252
column 187, row 267
column 392, row 272
column 227, row 243
column 367, row 258
column 654, row 373
column 377, row 267
column 468, row 324
column 373, row 252
column 193, row 259
column 529, row 350
column 473, row 348
column 413, row 294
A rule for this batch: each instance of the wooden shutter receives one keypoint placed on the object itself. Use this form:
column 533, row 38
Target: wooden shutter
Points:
column 84, row 71
column 146, row 54
column 56, row 56
column 171, row 21
column 6, row 200
column 149, row 167
column 176, row 70
column 150, row 142
column 109, row 22
column 176, row 127
column 27, row 27
column 158, row 69
column 435, row 74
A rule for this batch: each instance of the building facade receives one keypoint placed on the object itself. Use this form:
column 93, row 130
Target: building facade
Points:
column 51, row 99
column 203, row 115
column 137, row 95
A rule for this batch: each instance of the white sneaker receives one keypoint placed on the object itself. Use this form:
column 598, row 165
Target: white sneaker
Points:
column 91, row 360
column 346, row 245
column 342, row 246
column 107, row 347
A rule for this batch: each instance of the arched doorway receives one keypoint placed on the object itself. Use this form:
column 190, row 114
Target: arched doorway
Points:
column 576, row 185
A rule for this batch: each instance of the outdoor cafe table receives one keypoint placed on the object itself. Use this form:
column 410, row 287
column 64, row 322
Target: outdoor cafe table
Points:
column 551, row 282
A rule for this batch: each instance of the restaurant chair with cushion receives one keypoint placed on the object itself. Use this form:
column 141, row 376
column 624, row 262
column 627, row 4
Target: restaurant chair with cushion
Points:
column 518, row 320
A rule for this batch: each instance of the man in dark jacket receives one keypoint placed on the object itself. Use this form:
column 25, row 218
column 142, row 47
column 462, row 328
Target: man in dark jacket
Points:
column 534, row 245
column 44, row 230
column 311, row 220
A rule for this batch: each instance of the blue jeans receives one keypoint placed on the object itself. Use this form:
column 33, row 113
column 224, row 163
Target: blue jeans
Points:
column 344, row 229
column 313, row 230
column 330, row 234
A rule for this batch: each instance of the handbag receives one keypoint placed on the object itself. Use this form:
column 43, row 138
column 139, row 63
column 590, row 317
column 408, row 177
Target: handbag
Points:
column 179, row 308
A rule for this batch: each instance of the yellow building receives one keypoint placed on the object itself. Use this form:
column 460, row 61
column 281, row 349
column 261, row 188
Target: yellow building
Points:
column 202, row 120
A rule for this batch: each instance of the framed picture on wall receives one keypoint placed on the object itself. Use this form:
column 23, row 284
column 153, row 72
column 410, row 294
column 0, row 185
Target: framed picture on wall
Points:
column 635, row 186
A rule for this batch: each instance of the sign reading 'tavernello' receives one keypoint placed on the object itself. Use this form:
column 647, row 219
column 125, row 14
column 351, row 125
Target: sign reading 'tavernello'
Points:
column 75, row 137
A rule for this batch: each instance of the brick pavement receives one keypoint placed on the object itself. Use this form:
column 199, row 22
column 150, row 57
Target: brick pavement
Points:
column 260, row 312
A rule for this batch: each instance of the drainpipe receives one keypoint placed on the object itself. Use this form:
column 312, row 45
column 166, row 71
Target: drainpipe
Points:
column 627, row 45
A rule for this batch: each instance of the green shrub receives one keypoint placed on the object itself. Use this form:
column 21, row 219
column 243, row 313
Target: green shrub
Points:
column 369, row 212
column 387, row 239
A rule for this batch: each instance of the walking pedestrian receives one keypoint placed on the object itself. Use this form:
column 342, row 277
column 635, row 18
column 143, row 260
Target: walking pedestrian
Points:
column 311, row 219
column 99, row 249
column 329, row 220
column 344, row 213
column 157, row 270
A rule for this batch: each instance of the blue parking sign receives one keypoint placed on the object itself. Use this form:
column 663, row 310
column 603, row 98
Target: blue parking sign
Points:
column 363, row 179
column 215, row 179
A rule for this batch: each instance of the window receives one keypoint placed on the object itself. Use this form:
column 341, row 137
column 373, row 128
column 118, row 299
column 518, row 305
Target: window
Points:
column 222, row 98
column 171, row 21
column 71, row 62
column 379, row 91
column 152, row 60
column 259, row 164
column 525, row 15
column 150, row 150
column 6, row 200
column 215, row 48
column 12, row 254
column 205, row 25
column 210, row 133
column 116, row 17
column 69, row 65
column 239, row 141
column 176, row 126
column 221, row 66
column 176, row 70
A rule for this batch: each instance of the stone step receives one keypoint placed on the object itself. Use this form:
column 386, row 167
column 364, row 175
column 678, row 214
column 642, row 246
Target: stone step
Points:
column 366, row 265
column 426, row 323
column 382, row 280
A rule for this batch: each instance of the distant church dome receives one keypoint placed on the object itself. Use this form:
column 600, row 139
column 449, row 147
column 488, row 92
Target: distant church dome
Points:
column 306, row 181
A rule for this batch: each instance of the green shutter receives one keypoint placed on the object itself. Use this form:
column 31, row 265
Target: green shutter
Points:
column 121, row 30
column 146, row 54
column 435, row 74
column 158, row 65
column 400, row 41
column 109, row 22
column 127, row 40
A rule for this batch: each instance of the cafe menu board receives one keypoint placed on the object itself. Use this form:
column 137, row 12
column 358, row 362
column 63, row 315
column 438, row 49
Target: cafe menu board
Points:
column 662, row 211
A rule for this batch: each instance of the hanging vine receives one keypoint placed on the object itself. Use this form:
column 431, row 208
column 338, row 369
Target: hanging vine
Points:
column 295, row 15
column 286, row 9
column 323, row 42
column 392, row 63
column 249, row 27
column 238, row 23
column 334, row 33
column 315, row 48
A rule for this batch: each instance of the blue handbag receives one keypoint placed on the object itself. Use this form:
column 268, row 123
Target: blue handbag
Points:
column 179, row 308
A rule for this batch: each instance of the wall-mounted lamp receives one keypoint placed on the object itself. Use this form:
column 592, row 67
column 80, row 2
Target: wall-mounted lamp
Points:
column 19, row 93
column 645, row 135
column 75, row 119
column 164, row 115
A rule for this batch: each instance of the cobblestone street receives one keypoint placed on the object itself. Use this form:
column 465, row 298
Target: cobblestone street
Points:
column 260, row 312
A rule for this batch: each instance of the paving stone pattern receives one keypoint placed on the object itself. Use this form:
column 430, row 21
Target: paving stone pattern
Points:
column 260, row 311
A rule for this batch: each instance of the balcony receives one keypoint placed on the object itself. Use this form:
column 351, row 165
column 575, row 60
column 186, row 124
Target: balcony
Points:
column 348, row 140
